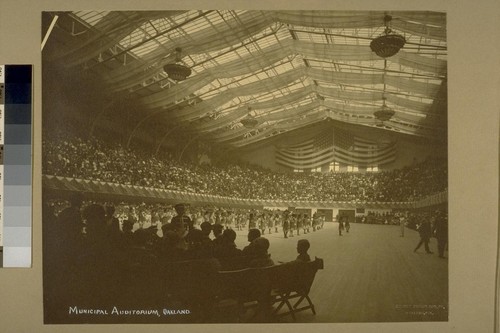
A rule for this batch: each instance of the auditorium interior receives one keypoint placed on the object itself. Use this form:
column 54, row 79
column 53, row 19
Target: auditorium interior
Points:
column 169, row 135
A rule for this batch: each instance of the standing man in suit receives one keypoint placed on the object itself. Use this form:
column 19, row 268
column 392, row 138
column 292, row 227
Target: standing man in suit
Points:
column 425, row 234
column 441, row 232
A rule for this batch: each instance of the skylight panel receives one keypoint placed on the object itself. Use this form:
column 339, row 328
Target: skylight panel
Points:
column 91, row 17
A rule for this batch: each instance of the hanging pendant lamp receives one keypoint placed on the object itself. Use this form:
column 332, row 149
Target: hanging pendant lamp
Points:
column 177, row 71
column 389, row 43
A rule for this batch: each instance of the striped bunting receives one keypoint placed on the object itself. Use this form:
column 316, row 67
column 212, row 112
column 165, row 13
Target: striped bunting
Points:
column 338, row 146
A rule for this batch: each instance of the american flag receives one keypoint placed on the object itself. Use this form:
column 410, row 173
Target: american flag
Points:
column 337, row 146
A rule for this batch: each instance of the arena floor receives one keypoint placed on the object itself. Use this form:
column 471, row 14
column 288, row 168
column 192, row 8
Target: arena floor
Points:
column 371, row 274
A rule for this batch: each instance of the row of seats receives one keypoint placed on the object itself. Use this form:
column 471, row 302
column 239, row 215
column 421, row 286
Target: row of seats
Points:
column 256, row 294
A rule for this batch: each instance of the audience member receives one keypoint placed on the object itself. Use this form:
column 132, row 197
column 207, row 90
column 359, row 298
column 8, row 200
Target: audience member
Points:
column 94, row 160
column 302, row 248
column 260, row 256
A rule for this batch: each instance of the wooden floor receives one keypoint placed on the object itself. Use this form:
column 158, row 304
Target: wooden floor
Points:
column 371, row 275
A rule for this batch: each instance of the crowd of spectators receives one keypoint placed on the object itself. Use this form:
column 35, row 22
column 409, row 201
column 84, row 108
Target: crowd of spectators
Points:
column 94, row 160
column 103, row 255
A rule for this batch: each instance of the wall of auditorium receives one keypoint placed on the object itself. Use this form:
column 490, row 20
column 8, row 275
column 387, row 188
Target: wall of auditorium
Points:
column 408, row 152
column 264, row 156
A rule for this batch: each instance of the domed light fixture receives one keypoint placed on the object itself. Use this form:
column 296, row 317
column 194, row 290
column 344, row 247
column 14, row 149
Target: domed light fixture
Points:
column 389, row 43
column 384, row 113
column 249, row 121
column 177, row 71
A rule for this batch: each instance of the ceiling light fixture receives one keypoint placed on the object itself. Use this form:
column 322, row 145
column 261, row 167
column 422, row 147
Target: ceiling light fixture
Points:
column 384, row 113
column 389, row 43
column 249, row 121
column 177, row 71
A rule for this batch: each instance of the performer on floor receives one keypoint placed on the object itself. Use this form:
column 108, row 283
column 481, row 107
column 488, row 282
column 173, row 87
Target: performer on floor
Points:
column 277, row 221
column 402, row 223
column 270, row 221
column 286, row 223
column 293, row 223
column 298, row 223
column 307, row 223
column 315, row 221
column 347, row 225
column 341, row 225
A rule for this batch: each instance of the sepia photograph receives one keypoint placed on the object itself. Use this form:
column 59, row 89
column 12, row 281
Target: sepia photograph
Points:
column 244, row 166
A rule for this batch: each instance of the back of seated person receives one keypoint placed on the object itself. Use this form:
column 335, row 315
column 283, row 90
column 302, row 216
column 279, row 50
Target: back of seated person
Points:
column 172, row 247
column 229, row 255
column 302, row 248
column 217, row 230
column 253, row 234
column 227, row 246
column 206, row 227
column 198, row 249
column 260, row 258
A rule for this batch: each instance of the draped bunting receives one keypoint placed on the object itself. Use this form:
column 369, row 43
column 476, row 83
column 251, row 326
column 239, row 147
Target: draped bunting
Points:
column 427, row 64
column 223, row 121
column 291, row 113
column 305, row 109
column 228, row 135
column 310, row 119
column 405, row 84
column 329, row 92
column 258, row 87
column 113, row 27
column 272, row 47
column 357, row 20
column 248, row 24
column 176, row 92
column 276, row 52
column 223, row 136
column 116, row 192
column 211, row 39
column 273, row 83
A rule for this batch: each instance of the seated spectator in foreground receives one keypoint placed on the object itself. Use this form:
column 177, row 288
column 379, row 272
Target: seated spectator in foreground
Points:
column 302, row 248
column 200, row 250
column 253, row 234
column 229, row 255
column 179, row 231
column 227, row 247
column 217, row 232
column 206, row 228
column 261, row 257
column 127, row 233
column 172, row 248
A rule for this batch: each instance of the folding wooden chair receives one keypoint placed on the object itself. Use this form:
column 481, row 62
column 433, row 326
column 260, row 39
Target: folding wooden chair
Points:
column 293, row 281
column 250, row 288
